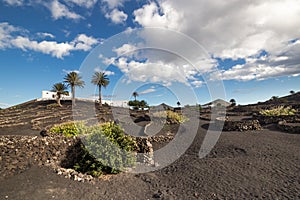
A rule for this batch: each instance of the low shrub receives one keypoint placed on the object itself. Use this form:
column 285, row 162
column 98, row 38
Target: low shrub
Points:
column 170, row 115
column 279, row 111
column 69, row 129
column 105, row 147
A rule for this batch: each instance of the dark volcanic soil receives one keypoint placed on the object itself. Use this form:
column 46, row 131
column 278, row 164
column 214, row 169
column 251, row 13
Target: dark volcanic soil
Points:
column 253, row 165
column 243, row 165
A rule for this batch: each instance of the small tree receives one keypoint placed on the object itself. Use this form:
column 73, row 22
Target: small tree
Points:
column 233, row 102
column 134, row 104
column 200, row 107
column 135, row 94
column 60, row 89
column 292, row 92
column 274, row 98
column 143, row 104
column 178, row 103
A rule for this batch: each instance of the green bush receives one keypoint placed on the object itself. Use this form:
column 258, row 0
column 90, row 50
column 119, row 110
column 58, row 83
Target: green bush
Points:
column 105, row 147
column 69, row 129
column 87, row 163
column 279, row 111
column 171, row 115
column 109, row 146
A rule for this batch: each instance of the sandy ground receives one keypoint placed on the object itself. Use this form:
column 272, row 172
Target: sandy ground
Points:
column 253, row 165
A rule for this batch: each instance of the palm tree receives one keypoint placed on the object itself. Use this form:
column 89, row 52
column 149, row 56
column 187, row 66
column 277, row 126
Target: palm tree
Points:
column 60, row 89
column 135, row 94
column 100, row 79
column 73, row 80
column 233, row 102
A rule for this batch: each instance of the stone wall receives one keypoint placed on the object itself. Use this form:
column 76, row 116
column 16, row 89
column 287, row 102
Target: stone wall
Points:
column 264, row 120
column 289, row 127
column 245, row 125
column 18, row 153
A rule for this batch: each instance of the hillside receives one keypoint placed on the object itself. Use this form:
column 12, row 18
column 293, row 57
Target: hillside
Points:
column 292, row 100
column 33, row 116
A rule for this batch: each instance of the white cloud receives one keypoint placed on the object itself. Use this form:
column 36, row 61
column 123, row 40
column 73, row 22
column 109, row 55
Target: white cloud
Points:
column 147, row 91
column 154, row 72
column 283, row 62
column 117, row 16
column 47, row 47
column 114, row 3
column 59, row 10
column 14, row 2
column 197, row 83
column 163, row 16
column 107, row 72
column 69, row 71
column 83, row 42
column 5, row 34
column 125, row 49
column 231, row 29
column 10, row 38
column 83, row 3
column 45, row 35
column 143, row 64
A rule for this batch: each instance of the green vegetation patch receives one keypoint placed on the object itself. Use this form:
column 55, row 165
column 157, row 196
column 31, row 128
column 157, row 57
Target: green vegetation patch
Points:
column 105, row 148
column 171, row 115
column 109, row 145
column 70, row 129
column 279, row 111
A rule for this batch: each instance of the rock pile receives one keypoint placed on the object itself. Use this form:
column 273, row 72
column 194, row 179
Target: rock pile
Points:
column 243, row 125
column 74, row 175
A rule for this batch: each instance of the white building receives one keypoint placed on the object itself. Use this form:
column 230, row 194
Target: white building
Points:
column 48, row 95
column 116, row 103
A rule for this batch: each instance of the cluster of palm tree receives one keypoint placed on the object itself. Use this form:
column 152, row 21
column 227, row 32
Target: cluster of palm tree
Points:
column 73, row 80
column 138, row 104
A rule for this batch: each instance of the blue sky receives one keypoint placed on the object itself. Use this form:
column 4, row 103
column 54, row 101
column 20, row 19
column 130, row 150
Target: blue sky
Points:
column 198, row 48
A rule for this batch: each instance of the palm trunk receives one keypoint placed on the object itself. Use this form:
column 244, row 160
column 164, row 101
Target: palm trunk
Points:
column 100, row 99
column 58, row 100
column 73, row 95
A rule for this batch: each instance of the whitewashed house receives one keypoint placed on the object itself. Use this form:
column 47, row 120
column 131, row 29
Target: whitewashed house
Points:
column 116, row 103
column 48, row 95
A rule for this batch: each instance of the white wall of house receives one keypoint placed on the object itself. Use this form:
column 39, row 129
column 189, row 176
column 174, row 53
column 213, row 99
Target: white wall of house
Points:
column 116, row 103
column 48, row 95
